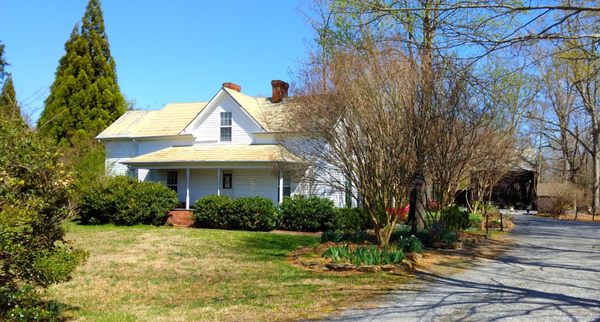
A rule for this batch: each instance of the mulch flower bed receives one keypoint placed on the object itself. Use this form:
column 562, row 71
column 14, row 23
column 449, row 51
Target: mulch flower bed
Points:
column 311, row 258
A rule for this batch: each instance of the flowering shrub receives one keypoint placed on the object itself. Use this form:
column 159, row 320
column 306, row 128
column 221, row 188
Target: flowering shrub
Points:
column 34, row 204
column 401, row 212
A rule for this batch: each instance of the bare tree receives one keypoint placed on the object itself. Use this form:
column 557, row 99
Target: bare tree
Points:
column 354, row 132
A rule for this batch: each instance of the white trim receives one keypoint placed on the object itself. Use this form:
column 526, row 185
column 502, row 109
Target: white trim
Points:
column 207, row 110
column 183, row 136
column 218, row 181
column 204, row 165
column 280, row 188
column 244, row 109
column 194, row 122
column 187, row 188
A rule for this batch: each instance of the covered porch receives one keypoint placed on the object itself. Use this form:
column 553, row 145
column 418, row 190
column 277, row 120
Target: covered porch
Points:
column 235, row 171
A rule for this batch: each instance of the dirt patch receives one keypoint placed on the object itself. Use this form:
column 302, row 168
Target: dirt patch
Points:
column 445, row 262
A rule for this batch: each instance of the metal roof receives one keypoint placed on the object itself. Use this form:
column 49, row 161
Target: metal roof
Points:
column 216, row 153
column 170, row 120
column 173, row 118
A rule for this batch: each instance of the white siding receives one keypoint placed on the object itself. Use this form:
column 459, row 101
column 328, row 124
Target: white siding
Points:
column 203, row 182
column 256, row 182
column 317, row 185
column 117, row 151
column 319, row 189
column 208, row 129
column 123, row 150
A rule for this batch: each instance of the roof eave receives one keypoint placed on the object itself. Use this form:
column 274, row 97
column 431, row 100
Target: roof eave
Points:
column 170, row 136
column 207, row 164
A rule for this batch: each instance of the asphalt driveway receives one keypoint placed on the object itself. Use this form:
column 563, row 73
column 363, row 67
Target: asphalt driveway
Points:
column 552, row 274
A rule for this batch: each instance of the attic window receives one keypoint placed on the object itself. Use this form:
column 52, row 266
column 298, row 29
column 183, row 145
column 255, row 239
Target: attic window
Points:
column 225, row 126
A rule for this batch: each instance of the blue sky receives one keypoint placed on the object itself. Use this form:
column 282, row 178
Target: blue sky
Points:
column 166, row 51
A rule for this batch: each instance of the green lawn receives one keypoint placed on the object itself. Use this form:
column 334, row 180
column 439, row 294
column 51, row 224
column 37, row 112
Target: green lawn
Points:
column 160, row 273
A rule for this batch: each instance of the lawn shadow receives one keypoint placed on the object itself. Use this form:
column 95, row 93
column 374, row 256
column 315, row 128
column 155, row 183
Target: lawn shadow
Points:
column 453, row 294
column 65, row 312
column 268, row 246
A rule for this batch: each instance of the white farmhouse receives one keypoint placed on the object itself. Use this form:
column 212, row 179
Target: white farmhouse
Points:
column 226, row 146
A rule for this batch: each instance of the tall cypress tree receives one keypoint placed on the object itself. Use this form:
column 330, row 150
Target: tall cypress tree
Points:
column 9, row 108
column 85, row 97
column 3, row 62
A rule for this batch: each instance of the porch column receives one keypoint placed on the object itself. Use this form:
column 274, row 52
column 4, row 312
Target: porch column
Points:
column 187, row 188
column 218, row 181
column 280, row 187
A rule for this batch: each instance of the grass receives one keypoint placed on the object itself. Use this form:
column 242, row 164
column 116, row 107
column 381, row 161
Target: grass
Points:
column 168, row 274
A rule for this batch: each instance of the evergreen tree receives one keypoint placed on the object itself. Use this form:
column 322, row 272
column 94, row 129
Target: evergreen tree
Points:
column 3, row 62
column 8, row 101
column 85, row 97
column 9, row 107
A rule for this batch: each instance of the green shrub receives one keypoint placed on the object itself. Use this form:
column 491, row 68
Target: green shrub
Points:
column 411, row 244
column 154, row 201
column 125, row 201
column 400, row 234
column 366, row 255
column 222, row 212
column 351, row 219
column 35, row 188
column 448, row 237
column 475, row 220
column 25, row 304
column 454, row 219
column 50, row 267
column 302, row 213
column 337, row 236
column 254, row 213
column 96, row 203
column 213, row 212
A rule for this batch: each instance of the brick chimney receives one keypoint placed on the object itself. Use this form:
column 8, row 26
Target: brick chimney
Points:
column 233, row 86
column 280, row 90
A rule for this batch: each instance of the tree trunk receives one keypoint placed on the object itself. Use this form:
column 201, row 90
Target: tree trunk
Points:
column 596, row 170
column 383, row 236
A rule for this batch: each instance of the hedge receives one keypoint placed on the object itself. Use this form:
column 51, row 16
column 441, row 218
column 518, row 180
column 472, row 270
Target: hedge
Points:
column 124, row 201
column 311, row 214
column 351, row 219
column 249, row 213
column 298, row 213
column 213, row 212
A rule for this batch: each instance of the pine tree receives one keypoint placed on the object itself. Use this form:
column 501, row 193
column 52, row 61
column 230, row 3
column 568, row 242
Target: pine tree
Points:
column 85, row 97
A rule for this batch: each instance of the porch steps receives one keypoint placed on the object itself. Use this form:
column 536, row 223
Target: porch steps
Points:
column 180, row 218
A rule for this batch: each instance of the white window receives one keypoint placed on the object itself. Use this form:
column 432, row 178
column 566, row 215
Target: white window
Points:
column 225, row 126
column 172, row 180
